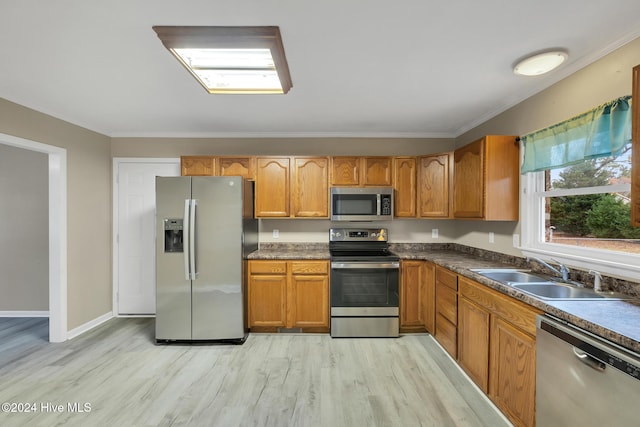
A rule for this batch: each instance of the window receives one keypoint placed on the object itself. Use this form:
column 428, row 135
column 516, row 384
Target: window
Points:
column 576, row 195
column 580, row 214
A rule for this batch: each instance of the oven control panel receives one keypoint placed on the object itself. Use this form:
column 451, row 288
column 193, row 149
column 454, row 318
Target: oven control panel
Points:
column 358, row 234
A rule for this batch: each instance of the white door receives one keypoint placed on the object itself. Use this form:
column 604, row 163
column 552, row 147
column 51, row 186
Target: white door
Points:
column 134, row 212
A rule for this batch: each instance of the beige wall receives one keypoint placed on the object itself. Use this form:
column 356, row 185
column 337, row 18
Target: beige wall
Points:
column 24, row 227
column 175, row 147
column 89, row 292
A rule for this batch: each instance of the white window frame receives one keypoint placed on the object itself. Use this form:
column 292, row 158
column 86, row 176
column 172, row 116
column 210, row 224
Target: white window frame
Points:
column 532, row 223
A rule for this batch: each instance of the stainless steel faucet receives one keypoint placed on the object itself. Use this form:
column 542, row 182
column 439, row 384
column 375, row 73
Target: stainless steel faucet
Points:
column 562, row 269
column 597, row 280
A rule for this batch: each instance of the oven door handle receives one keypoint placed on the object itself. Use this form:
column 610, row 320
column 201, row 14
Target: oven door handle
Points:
column 352, row 265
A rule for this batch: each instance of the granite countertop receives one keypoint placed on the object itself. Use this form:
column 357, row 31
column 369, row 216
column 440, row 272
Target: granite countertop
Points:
column 615, row 320
column 269, row 251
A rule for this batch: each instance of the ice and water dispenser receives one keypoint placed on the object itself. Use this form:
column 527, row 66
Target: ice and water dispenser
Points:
column 173, row 235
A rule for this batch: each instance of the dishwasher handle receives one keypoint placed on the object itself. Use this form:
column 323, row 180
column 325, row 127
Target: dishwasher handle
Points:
column 589, row 360
column 591, row 349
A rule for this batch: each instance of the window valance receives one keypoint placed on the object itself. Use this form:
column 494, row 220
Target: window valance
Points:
column 602, row 131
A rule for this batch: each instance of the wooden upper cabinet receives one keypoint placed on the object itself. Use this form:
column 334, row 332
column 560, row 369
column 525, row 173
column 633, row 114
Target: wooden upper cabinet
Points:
column 353, row 171
column 197, row 165
column 486, row 179
column 236, row 166
column 404, row 183
column 295, row 187
column 434, row 178
column 377, row 171
column 310, row 195
column 345, row 171
column 635, row 151
column 272, row 187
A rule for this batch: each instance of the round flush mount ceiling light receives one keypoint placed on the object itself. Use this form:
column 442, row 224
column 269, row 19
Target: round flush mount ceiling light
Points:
column 540, row 63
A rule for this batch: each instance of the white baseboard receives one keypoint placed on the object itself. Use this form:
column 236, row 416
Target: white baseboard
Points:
column 24, row 313
column 89, row 325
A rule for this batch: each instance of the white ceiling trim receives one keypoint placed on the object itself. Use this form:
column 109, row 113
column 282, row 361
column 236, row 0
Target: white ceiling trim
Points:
column 265, row 135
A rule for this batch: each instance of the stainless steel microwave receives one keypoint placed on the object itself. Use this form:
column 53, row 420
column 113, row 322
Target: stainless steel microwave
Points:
column 361, row 204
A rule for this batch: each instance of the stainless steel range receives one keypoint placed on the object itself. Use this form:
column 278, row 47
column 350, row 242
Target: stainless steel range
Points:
column 364, row 283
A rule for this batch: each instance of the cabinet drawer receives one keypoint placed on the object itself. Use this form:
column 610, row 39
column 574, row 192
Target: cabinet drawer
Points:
column 447, row 277
column 446, row 334
column 310, row 267
column 447, row 303
column 267, row 267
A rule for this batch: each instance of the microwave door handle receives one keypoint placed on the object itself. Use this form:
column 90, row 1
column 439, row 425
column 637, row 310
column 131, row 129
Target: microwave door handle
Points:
column 378, row 203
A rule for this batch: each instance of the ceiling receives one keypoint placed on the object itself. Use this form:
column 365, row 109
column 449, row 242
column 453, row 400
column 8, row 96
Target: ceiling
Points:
column 372, row 68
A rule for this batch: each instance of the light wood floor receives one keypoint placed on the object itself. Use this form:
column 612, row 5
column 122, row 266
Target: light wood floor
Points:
column 271, row 380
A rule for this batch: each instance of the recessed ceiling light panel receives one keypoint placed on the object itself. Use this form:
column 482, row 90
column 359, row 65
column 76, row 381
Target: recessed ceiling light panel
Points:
column 540, row 63
column 245, row 60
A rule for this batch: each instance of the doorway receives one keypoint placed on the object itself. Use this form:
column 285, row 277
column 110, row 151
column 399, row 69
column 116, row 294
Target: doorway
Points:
column 57, row 174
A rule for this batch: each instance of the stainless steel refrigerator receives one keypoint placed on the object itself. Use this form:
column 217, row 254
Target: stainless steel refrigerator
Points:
column 204, row 229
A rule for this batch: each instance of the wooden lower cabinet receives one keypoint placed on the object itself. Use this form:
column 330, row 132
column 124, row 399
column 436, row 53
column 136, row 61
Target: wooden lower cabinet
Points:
column 288, row 294
column 513, row 372
column 417, row 296
column 496, row 347
column 473, row 342
column 267, row 291
column 309, row 301
column 411, row 296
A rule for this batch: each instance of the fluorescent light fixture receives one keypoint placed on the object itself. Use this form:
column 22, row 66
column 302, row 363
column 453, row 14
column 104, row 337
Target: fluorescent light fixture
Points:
column 540, row 63
column 237, row 60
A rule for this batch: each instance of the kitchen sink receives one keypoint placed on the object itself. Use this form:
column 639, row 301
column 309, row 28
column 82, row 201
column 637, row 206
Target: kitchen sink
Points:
column 546, row 287
column 510, row 275
column 557, row 291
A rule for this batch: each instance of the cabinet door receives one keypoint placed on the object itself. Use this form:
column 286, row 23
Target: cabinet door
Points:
column 404, row 182
column 635, row 151
column 473, row 342
column 513, row 373
column 345, row 171
column 310, row 195
column 429, row 270
column 237, row 166
column 197, row 165
column 272, row 187
column 309, row 301
column 412, row 294
column 377, row 171
column 267, row 300
column 433, row 188
column 468, row 186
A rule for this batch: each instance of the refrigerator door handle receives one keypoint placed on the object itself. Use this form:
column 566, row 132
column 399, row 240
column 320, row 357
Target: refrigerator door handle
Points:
column 185, row 235
column 192, row 239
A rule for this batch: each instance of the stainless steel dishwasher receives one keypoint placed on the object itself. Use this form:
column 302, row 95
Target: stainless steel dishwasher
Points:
column 583, row 380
